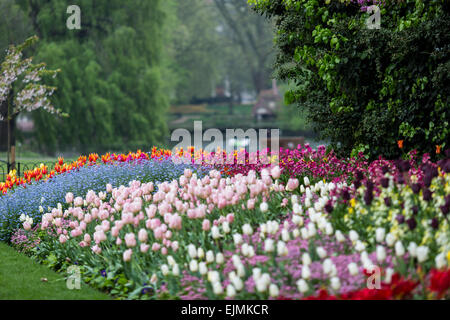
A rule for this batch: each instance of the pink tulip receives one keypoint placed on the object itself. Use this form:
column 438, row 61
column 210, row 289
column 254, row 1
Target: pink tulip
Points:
column 206, row 225
column 142, row 235
column 78, row 202
column 62, row 238
column 96, row 249
column 69, row 197
column 156, row 246
column 292, row 184
column 275, row 172
column 27, row 225
column 144, row 247
column 127, row 255
column 130, row 240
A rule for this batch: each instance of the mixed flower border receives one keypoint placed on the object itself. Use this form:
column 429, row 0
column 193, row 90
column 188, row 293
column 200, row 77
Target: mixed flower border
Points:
column 313, row 227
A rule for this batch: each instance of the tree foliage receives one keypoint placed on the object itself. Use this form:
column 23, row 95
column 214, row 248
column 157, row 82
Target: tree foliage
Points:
column 110, row 81
column 365, row 89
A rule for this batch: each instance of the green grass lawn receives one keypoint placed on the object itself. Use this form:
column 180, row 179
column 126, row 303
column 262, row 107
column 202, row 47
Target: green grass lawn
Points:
column 20, row 279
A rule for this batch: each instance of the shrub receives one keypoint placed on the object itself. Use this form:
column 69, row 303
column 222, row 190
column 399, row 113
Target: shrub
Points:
column 365, row 89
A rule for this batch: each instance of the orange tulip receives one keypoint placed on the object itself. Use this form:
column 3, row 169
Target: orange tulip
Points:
column 438, row 149
column 400, row 144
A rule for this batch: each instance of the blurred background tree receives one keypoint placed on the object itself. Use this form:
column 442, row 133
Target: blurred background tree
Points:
column 131, row 60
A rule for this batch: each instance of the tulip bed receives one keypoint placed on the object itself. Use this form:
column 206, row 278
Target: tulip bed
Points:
column 312, row 226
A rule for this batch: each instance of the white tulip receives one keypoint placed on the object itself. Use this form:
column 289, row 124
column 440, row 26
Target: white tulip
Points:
column 217, row 288
column 353, row 235
column 232, row 275
column 220, row 258
column 238, row 283
column 302, row 286
column 306, row 273
column 263, row 228
column 307, row 202
column 339, row 236
column 244, row 249
column 359, row 246
column 306, row 259
column 202, row 268
column 297, row 220
column 335, row 283
column 213, row 276
column 236, row 260
column 311, row 230
column 390, row 239
column 269, row 245
column 261, row 285
column 273, row 290
column 256, row 273
column 193, row 266
column 247, row 229
column 327, row 266
column 353, row 268
column 170, row 260
column 381, row 253
column 306, row 181
column 251, row 252
column 399, row 249
column 304, row 233
column 380, row 234
column 295, row 233
column 264, row 207
column 297, row 208
column 440, row 260
column 282, row 249
column 231, row 292
column 328, row 229
column 200, row 253
column 215, row 232
column 192, row 251
column 226, row 227
column 176, row 270
column 422, row 253
column 389, row 273
column 165, row 269
column 237, row 238
column 285, row 235
column 321, row 252
column 412, row 249
column 240, row 270
column 209, row 256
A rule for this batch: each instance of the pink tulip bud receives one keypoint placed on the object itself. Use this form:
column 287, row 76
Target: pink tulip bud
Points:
column 127, row 255
column 206, row 225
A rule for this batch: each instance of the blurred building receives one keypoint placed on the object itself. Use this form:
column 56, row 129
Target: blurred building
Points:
column 266, row 106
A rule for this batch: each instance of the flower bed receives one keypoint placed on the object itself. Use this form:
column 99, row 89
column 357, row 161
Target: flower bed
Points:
column 379, row 232
column 35, row 198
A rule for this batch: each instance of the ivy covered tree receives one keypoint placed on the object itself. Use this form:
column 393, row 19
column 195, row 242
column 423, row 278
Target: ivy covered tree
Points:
column 365, row 89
